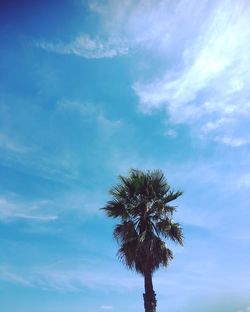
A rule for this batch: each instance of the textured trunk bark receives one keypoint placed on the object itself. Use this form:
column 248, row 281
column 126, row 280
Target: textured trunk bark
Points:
column 149, row 296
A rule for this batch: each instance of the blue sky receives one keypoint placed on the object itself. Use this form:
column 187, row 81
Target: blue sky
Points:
column 92, row 88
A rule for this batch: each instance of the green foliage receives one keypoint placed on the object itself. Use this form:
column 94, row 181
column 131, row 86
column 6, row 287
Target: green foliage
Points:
column 142, row 203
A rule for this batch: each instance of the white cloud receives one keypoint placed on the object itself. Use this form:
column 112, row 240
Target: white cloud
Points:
column 171, row 133
column 86, row 47
column 11, row 208
column 148, row 23
column 86, row 202
column 210, row 91
column 8, row 275
column 232, row 141
column 214, row 125
column 106, row 307
column 85, row 109
column 244, row 180
column 89, row 111
column 245, row 310
column 7, row 143
column 61, row 277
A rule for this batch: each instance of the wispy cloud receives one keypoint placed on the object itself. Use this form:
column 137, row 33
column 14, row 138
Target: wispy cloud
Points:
column 244, row 180
column 7, row 274
column 206, row 77
column 209, row 92
column 86, row 47
column 171, row 133
column 247, row 309
column 60, row 277
column 152, row 24
column 81, row 201
column 11, row 208
column 89, row 111
column 84, row 202
column 232, row 141
column 8, row 143
column 106, row 307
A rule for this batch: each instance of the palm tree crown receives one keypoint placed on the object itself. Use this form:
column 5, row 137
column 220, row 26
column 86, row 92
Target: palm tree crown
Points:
column 141, row 202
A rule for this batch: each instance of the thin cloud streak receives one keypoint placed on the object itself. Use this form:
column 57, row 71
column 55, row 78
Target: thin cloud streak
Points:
column 106, row 307
column 9, row 144
column 86, row 47
column 245, row 310
column 62, row 278
column 89, row 111
column 11, row 208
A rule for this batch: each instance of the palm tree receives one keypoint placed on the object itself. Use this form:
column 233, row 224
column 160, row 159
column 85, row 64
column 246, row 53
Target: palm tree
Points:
column 141, row 202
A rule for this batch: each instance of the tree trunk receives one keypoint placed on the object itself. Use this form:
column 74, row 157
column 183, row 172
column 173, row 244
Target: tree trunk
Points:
column 149, row 296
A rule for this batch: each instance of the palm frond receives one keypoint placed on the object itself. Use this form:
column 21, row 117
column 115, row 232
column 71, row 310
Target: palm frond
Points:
column 176, row 233
column 172, row 195
column 141, row 201
column 116, row 209
column 126, row 254
column 125, row 232
column 169, row 229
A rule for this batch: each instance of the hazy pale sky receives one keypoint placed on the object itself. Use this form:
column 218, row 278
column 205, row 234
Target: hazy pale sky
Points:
column 89, row 89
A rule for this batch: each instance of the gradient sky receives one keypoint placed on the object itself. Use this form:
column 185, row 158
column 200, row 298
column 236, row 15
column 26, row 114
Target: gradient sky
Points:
column 89, row 89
